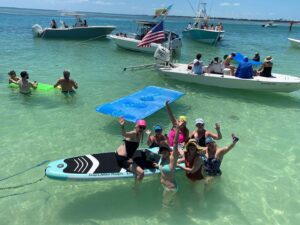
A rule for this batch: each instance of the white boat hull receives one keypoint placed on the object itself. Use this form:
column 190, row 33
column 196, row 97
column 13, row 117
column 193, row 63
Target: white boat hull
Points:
column 294, row 42
column 131, row 44
column 277, row 83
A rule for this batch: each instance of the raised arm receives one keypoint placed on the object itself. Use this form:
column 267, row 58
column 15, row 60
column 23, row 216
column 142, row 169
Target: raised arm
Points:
column 174, row 156
column 217, row 136
column 223, row 151
column 170, row 113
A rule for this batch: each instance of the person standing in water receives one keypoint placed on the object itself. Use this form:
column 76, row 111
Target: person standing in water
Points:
column 126, row 151
column 66, row 83
column 25, row 85
column 13, row 77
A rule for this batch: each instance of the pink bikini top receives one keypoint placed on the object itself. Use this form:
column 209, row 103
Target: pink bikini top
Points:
column 171, row 137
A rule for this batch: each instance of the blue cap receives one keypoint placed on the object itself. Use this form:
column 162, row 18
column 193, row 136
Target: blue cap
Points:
column 209, row 140
column 245, row 59
column 157, row 127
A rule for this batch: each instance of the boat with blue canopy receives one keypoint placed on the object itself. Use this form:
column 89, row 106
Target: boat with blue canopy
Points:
column 140, row 104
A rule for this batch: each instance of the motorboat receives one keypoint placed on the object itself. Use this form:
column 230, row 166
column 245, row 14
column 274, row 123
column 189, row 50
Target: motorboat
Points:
column 270, row 24
column 131, row 41
column 200, row 30
column 182, row 72
column 80, row 30
column 294, row 42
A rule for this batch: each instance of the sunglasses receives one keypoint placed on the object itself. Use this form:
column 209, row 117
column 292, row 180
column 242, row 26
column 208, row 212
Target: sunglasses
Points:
column 142, row 127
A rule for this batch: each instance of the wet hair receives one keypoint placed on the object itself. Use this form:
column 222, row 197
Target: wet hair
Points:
column 24, row 74
column 198, row 56
column 66, row 74
column 12, row 72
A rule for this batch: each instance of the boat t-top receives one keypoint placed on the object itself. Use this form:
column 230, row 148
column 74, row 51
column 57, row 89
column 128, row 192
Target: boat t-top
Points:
column 200, row 30
column 80, row 29
column 131, row 41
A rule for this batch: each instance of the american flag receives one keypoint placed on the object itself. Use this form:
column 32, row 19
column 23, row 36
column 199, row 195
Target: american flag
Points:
column 155, row 34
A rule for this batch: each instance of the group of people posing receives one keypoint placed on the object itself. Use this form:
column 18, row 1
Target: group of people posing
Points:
column 244, row 70
column 197, row 150
column 25, row 86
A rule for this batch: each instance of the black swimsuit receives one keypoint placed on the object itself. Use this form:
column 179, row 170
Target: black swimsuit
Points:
column 200, row 141
column 130, row 147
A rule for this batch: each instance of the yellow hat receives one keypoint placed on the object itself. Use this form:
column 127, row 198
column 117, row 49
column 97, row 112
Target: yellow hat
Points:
column 182, row 118
column 194, row 142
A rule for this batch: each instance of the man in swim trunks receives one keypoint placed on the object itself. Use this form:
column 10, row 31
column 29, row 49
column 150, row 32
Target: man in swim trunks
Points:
column 66, row 83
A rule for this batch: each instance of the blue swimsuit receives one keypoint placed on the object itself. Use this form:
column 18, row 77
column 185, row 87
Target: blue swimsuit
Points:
column 212, row 166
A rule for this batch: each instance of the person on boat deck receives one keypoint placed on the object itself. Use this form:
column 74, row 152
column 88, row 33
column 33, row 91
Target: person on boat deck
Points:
column 85, row 23
column 13, row 77
column 65, row 25
column 244, row 69
column 215, row 66
column 256, row 57
column 266, row 68
column 25, row 85
column 193, row 161
column 197, row 65
column 168, row 162
column 200, row 134
column 66, row 83
column 220, row 27
column 227, row 63
column 157, row 138
column 126, row 151
column 211, row 27
column 213, row 157
column 183, row 131
column 53, row 24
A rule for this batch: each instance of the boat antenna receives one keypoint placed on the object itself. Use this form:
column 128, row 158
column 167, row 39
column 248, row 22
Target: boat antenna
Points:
column 192, row 7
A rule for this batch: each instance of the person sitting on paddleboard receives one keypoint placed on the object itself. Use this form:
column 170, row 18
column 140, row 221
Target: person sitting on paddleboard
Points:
column 66, row 83
column 13, row 77
column 126, row 151
column 183, row 131
column 26, row 85
column 200, row 134
column 155, row 140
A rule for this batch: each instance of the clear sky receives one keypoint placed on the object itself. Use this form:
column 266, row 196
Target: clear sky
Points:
column 250, row 9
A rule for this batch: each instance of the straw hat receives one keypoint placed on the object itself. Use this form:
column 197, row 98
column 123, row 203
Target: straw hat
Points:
column 268, row 59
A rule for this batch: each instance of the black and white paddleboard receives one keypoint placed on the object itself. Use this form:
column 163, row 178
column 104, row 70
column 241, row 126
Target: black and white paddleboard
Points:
column 101, row 166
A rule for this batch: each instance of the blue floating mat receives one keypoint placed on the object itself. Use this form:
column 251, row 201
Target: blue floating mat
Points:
column 140, row 104
column 239, row 57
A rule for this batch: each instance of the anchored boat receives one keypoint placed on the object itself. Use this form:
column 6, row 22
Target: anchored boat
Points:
column 80, row 30
column 276, row 83
column 131, row 41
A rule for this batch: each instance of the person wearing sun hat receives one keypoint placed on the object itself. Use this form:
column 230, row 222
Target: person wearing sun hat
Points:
column 266, row 68
column 126, row 151
column 200, row 133
column 155, row 140
column 213, row 156
column 183, row 132
column 192, row 160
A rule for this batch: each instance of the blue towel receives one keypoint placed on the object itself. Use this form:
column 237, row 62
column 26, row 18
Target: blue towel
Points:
column 140, row 104
column 239, row 57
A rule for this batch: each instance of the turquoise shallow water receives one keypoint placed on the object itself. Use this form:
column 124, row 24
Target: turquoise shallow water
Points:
column 260, row 182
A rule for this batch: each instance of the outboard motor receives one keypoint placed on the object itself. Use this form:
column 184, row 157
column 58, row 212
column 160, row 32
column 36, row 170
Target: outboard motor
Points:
column 162, row 56
column 37, row 30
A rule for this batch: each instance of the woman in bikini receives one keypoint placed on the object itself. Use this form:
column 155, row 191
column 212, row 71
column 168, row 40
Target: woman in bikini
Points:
column 126, row 151
column 183, row 131
column 200, row 133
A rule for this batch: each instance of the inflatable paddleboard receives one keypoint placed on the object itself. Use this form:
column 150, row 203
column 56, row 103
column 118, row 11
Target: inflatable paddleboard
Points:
column 41, row 86
column 101, row 166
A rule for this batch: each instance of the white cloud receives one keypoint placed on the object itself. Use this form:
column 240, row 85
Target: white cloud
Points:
column 236, row 4
column 225, row 4
column 100, row 2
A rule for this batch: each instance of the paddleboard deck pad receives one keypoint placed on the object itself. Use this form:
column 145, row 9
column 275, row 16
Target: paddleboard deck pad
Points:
column 101, row 166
